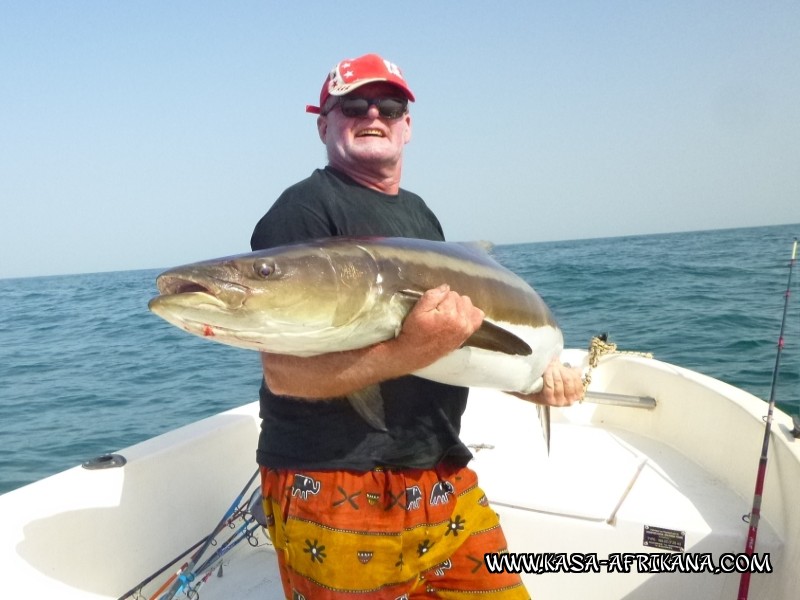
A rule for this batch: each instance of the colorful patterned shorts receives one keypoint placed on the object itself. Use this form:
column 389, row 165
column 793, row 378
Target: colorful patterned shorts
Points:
column 387, row 534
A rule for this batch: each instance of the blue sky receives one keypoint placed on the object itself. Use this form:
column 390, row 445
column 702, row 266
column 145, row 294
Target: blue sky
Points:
column 145, row 134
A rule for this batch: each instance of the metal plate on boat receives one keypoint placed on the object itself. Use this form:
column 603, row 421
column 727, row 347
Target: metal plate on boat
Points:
column 664, row 539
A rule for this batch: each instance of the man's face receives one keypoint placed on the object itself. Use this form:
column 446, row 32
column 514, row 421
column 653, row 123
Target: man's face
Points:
column 367, row 142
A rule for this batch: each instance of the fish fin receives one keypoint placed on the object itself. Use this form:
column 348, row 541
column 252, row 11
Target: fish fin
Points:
column 368, row 403
column 495, row 338
column 543, row 413
column 479, row 246
column 407, row 299
column 544, row 420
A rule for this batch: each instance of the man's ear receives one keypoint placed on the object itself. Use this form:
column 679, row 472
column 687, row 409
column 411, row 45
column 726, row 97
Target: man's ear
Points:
column 322, row 127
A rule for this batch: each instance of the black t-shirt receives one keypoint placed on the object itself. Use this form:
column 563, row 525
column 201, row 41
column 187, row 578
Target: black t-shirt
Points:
column 423, row 418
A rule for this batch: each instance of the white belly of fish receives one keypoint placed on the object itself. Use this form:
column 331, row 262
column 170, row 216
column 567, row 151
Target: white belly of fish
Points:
column 476, row 367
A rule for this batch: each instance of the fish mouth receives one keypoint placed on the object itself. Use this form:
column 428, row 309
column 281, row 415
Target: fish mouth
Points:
column 175, row 286
column 201, row 290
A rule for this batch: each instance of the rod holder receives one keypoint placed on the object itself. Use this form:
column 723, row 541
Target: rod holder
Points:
column 626, row 400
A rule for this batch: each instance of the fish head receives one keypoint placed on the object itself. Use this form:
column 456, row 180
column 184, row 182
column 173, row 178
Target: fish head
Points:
column 280, row 300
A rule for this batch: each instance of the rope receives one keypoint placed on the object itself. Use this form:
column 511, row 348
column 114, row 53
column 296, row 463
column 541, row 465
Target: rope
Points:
column 600, row 346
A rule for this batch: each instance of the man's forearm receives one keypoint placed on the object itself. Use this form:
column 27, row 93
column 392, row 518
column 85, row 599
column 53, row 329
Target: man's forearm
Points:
column 330, row 375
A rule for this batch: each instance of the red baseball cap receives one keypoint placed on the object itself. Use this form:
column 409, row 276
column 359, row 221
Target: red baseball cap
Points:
column 352, row 73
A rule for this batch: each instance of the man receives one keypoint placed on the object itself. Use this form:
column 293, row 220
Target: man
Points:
column 354, row 510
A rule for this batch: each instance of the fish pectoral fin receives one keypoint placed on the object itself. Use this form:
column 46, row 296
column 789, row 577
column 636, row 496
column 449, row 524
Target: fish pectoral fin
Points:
column 495, row 338
column 408, row 297
column 368, row 403
column 405, row 300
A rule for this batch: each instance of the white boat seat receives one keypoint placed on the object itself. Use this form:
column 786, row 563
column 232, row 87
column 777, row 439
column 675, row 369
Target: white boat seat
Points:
column 617, row 478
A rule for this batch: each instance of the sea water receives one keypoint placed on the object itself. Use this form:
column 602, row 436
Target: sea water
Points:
column 86, row 369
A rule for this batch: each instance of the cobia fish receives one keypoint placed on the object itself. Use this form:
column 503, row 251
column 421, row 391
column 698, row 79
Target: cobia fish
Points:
column 340, row 294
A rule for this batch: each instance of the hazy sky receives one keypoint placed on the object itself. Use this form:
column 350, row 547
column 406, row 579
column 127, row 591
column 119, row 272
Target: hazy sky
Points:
column 144, row 134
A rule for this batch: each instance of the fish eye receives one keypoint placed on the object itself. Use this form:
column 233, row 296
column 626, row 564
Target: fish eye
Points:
column 264, row 269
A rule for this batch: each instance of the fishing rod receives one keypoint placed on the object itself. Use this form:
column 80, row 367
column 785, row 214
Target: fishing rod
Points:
column 755, row 513
column 251, row 521
column 201, row 574
column 216, row 560
column 185, row 575
column 144, row 582
column 241, row 511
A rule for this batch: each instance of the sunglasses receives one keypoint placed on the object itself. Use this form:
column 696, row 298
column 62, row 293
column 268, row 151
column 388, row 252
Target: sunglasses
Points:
column 388, row 108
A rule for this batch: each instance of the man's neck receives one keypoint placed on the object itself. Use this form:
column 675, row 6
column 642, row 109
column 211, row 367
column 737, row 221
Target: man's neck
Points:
column 386, row 182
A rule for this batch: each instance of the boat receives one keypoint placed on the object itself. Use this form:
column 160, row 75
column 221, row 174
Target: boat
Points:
column 644, row 494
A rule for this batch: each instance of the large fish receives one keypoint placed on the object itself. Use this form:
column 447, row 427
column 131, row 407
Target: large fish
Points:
column 340, row 294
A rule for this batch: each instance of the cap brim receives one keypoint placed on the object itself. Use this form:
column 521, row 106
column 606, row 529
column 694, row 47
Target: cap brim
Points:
column 313, row 109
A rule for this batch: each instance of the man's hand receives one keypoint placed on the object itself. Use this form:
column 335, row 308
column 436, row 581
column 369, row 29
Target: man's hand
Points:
column 440, row 322
column 563, row 386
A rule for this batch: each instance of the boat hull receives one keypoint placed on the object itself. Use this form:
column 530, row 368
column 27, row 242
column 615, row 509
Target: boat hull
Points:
column 618, row 481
